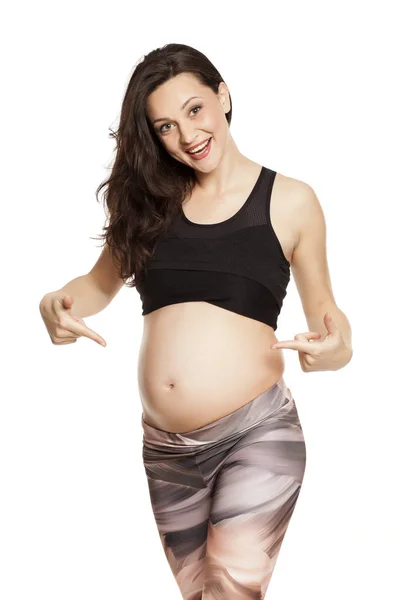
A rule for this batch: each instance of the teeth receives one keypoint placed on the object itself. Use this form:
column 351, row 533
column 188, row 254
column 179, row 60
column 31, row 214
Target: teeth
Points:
column 199, row 148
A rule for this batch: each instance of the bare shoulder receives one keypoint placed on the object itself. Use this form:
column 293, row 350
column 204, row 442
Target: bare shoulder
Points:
column 309, row 262
column 294, row 205
column 292, row 192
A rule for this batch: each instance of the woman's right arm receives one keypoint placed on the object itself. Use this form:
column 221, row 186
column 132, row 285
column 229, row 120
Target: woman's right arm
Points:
column 95, row 290
column 86, row 295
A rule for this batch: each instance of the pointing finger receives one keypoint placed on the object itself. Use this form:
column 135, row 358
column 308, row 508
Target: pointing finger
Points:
column 80, row 328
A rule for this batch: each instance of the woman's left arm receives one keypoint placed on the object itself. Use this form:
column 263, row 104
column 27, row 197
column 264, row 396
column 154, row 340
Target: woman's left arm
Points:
column 327, row 346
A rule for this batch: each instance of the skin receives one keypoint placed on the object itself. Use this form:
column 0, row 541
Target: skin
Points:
column 198, row 362
column 189, row 381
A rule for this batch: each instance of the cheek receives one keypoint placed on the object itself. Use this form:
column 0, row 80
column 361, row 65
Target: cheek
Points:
column 171, row 146
column 217, row 125
column 212, row 123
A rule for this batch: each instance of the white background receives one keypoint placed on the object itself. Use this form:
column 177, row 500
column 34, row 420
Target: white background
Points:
column 314, row 96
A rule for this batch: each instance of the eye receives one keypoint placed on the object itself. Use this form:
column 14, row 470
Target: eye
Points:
column 162, row 130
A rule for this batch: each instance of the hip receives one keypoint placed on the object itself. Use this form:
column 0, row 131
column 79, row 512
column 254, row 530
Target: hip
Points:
column 271, row 418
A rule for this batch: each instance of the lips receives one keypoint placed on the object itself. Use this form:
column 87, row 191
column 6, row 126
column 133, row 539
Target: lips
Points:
column 197, row 145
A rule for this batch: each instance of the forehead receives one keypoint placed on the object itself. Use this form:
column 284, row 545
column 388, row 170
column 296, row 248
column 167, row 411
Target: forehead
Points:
column 172, row 94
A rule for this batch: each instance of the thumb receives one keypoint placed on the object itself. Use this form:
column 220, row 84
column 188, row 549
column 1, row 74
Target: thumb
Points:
column 307, row 336
column 67, row 301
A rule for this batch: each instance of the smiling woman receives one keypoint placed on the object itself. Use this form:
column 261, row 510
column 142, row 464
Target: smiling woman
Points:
column 210, row 238
column 177, row 133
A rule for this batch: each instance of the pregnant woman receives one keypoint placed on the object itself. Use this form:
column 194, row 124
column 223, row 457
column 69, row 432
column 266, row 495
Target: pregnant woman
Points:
column 209, row 238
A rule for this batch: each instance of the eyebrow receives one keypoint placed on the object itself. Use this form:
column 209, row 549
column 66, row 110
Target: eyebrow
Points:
column 182, row 107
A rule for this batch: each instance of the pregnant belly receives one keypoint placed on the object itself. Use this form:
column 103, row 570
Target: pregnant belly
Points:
column 198, row 362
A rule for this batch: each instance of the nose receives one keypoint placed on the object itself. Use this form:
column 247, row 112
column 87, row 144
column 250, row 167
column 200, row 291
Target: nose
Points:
column 188, row 137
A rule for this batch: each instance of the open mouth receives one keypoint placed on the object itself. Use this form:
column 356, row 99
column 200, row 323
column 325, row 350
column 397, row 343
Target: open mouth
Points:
column 202, row 150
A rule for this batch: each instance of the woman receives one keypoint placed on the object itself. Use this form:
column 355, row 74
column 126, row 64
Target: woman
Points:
column 211, row 238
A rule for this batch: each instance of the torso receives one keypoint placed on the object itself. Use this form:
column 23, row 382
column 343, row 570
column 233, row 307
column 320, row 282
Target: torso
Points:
column 199, row 362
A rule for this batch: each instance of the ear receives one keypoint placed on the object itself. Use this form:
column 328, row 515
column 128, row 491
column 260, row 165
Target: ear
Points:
column 223, row 93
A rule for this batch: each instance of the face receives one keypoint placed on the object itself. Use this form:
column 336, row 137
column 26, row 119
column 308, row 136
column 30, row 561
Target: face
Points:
column 185, row 113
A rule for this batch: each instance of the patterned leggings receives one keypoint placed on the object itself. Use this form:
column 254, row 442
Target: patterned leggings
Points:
column 223, row 495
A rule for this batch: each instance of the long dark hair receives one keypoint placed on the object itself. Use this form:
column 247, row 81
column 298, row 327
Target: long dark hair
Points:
column 147, row 185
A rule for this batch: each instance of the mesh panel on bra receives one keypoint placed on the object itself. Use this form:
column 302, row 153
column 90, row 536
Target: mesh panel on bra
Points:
column 244, row 247
column 252, row 213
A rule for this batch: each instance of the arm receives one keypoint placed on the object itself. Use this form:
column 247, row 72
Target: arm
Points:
column 333, row 349
column 310, row 266
column 94, row 291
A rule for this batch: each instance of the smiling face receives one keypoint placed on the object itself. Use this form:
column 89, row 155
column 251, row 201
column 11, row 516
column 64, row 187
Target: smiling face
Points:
column 185, row 113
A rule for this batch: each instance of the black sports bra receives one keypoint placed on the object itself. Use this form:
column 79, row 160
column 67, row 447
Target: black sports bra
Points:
column 237, row 264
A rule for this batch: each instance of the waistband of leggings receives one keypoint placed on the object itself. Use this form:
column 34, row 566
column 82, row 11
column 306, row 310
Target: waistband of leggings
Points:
column 245, row 417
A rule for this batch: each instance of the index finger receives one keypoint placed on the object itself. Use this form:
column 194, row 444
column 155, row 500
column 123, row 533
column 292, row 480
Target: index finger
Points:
column 85, row 331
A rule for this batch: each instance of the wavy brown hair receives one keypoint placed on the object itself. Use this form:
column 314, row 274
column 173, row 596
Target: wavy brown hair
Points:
column 147, row 185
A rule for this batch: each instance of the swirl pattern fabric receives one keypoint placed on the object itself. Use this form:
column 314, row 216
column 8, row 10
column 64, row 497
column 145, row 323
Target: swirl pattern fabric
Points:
column 223, row 495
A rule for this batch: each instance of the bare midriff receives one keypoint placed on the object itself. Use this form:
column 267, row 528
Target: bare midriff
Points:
column 199, row 362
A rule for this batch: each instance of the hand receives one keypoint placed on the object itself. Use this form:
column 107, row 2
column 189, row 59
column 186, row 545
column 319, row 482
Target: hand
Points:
column 330, row 354
column 62, row 326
